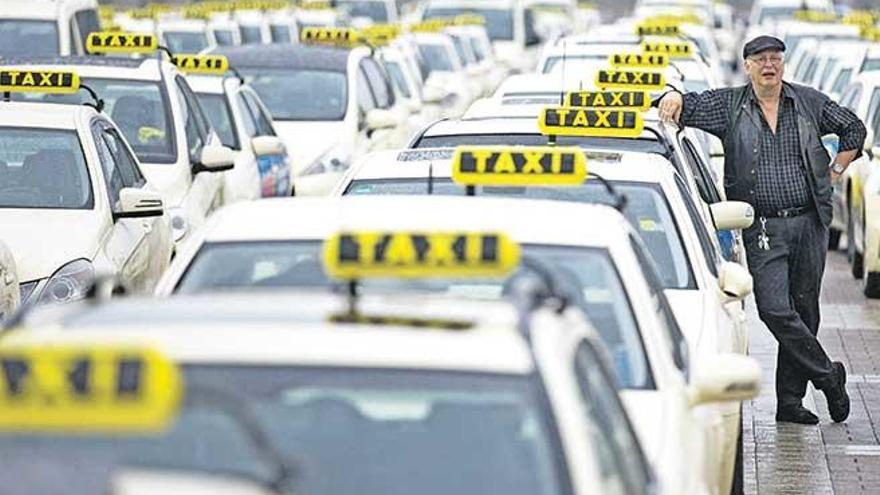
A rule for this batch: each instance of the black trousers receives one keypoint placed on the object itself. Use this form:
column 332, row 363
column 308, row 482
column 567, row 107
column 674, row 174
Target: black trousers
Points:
column 788, row 278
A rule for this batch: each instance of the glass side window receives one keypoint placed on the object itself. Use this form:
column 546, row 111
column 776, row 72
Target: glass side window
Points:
column 247, row 120
column 708, row 192
column 713, row 257
column 841, row 81
column 194, row 139
column 264, row 125
column 396, row 72
column 186, row 41
column 109, row 167
column 853, row 94
column 87, row 21
column 218, row 111
column 224, row 37
column 125, row 162
column 366, row 100
column 293, row 94
column 436, row 58
column 378, row 83
column 280, row 33
column 671, row 333
column 622, row 464
column 250, row 35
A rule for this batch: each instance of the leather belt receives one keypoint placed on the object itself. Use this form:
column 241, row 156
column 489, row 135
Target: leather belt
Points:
column 786, row 212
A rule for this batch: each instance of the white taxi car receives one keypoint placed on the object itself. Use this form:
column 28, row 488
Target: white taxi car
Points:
column 649, row 353
column 46, row 28
column 705, row 293
column 243, row 125
column 73, row 200
column 509, row 23
column 160, row 116
column 10, row 293
column 526, row 381
column 329, row 105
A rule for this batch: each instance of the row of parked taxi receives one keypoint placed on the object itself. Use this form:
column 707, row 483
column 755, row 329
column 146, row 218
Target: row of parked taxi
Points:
column 491, row 277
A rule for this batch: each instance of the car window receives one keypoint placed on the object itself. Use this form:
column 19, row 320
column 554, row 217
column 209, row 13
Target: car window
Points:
column 217, row 108
column 622, row 463
column 706, row 187
column 43, row 168
column 109, row 167
column 292, row 94
column 436, row 57
column 250, row 34
column 841, row 81
column 125, row 162
column 195, row 138
column 27, row 38
column 713, row 258
column 264, row 125
column 873, row 105
column 87, row 21
column 379, row 83
column 224, row 37
column 498, row 22
column 280, row 33
column 247, row 119
column 186, row 41
column 397, row 75
column 853, row 95
column 672, row 334
column 366, row 100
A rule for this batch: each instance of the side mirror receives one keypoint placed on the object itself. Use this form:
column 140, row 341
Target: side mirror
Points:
column 730, row 378
column 139, row 203
column 734, row 281
column 215, row 159
column 379, row 118
column 732, row 215
column 433, row 94
column 267, row 145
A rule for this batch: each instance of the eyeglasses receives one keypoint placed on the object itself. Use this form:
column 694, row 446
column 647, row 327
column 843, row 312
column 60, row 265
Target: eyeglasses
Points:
column 773, row 59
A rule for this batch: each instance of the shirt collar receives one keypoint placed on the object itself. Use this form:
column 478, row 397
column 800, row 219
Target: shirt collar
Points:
column 787, row 93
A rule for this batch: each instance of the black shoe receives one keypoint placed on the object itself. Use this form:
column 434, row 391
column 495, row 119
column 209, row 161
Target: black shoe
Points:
column 796, row 414
column 836, row 396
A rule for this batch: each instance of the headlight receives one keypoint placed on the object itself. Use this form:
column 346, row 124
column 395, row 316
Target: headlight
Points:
column 69, row 283
column 179, row 223
column 333, row 160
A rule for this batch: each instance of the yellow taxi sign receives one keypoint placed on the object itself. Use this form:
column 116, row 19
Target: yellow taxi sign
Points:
column 674, row 49
column 201, row 64
column 60, row 388
column 469, row 19
column 632, row 100
column 518, row 166
column 379, row 34
column 431, row 25
column 630, row 79
column 657, row 29
column 355, row 255
column 639, row 60
column 117, row 42
column 814, row 16
column 315, row 5
column 328, row 36
column 590, row 122
column 38, row 81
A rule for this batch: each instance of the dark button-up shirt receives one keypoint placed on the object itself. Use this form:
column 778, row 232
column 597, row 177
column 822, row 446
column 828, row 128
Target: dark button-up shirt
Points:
column 781, row 176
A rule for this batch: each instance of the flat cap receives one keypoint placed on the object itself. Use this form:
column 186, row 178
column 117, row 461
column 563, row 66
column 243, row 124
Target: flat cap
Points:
column 762, row 44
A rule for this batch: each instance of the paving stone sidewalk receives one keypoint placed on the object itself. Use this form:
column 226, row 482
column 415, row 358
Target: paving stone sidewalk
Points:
column 830, row 458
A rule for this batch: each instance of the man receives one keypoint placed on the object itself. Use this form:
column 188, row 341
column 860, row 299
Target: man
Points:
column 774, row 160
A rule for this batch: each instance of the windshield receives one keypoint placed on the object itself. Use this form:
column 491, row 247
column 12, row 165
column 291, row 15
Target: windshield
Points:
column 186, row 42
column 499, row 22
column 139, row 108
column 583, row 65
column 436, row 57
column 399, row 79
column 218, row 112
column 300, row 94
column 265, row 264
column 343, row 431
column 250, row 34
column 42, row 168
column 374, row 10
column 646, row 209
column 635, row 145
column 224, row 37
column 21, row 38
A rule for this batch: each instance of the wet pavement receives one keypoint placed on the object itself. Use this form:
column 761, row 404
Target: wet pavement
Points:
column 828, row 458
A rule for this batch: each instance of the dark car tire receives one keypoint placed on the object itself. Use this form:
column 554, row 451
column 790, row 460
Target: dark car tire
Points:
column 852, row 254
column 738, row 485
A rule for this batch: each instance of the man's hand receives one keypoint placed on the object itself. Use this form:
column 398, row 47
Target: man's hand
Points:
column 835, row 177
column 670, row 107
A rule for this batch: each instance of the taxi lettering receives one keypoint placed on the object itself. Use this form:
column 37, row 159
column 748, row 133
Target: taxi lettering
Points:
column 328, row 35
column 108, row 42
column 567, row 121
column 630, row 79
column 352, row 255
column 673, row 50
column 657, row 29
column 204, row 64
column 639, row 60
column 533, row 165
column 608, row 99
column 41, row 81
column 86, row 389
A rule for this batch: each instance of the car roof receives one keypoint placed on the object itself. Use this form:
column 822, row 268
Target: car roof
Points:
column 28, row 9
column 209, row 84
column 526, row 221
column 42, row 115
column 183, row 327
column 144, row 69
column 474, row 4
column 286, row 56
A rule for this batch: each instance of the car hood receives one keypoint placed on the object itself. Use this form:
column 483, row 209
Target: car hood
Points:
column 307, row 141
column 42, row 240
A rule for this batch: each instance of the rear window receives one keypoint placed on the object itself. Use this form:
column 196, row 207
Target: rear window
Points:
column 186, row 42
column 22, row 38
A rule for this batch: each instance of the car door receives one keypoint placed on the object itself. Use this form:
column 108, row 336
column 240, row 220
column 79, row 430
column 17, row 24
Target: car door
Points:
column 277, row 166
column 127, row 245
column 383, row 93
column 204, row 193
